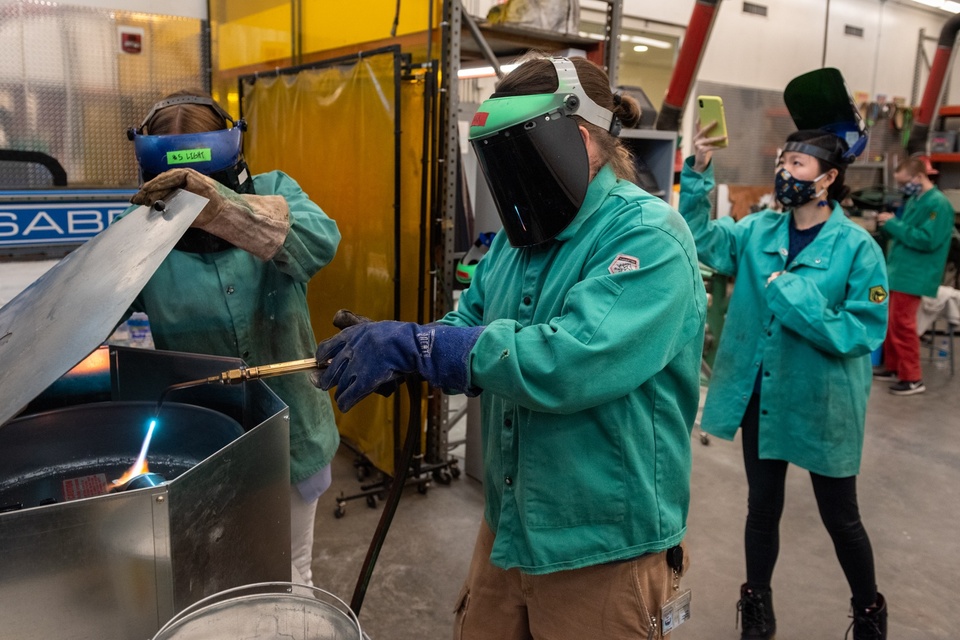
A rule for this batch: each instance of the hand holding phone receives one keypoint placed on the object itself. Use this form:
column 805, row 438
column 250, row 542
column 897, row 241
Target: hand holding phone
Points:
column 710, row 109
column 711, row 131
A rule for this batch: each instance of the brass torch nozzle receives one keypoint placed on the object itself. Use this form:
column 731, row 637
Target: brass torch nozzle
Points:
column 236, row 376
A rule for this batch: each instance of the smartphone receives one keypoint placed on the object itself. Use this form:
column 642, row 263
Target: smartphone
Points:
column 711, row 110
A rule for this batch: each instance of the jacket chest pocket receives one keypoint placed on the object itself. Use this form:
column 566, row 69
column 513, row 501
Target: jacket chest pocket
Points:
column 831, row 282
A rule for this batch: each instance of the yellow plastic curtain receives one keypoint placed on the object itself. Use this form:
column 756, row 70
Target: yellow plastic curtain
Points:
column 332, row 130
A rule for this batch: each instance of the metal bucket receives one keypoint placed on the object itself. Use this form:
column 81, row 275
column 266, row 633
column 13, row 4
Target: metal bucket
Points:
column 267, row 611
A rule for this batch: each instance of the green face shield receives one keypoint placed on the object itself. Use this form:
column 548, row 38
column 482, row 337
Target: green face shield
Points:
column 534, row 158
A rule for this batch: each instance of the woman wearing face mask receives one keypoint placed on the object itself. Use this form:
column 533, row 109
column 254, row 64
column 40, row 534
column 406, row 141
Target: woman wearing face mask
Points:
column 793, row 366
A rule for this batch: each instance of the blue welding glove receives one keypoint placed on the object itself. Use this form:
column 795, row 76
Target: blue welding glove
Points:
column 341, row 320
column 366, row 356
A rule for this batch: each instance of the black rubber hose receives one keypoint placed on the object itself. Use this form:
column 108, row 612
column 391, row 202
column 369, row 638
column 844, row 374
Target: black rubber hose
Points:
column 414, row 391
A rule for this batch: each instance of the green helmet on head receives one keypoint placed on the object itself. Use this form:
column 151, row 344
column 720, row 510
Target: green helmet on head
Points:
column 533, row 155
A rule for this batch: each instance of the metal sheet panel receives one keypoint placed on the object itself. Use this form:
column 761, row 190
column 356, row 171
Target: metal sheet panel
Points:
column 73, row 307
column 78, row 569
column 233, row 513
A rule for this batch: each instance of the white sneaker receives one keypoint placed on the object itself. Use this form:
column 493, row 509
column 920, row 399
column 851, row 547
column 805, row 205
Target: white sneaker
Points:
column 905, row 388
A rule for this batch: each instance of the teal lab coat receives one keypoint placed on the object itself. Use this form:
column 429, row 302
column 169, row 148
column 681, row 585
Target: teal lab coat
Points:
column 589, row 365
column 230, row 303
column 808, row 334
column 919, row 242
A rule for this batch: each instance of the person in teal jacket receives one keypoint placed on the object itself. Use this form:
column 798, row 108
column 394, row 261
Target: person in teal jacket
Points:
column 236, row 283
column 793, row 367
column 582, row 332
column 916, row 256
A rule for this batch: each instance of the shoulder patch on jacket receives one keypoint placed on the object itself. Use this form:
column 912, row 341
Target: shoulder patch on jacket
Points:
column 623, row 263
column 878, row 294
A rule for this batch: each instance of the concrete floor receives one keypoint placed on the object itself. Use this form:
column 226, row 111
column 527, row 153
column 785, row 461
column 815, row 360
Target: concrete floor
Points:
column 910, row 501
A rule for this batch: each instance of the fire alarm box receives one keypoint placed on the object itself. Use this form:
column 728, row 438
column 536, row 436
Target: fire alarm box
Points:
column 131, row 39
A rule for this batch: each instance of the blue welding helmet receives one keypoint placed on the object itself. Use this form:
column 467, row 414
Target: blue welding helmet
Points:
column 218, row 154
column 820, row 100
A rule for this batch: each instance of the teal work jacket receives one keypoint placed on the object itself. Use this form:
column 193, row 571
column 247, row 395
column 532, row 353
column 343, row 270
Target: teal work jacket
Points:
column 589, row 365
column 808, row 334
column 919, row 242
column 230, row 303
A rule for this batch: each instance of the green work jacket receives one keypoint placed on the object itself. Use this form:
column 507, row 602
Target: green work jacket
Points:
column 919, row 242
column 808, row 334
column 231, row 303
column 589, row 365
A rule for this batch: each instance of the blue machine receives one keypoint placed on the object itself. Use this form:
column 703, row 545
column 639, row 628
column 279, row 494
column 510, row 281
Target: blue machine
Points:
column 54, row 221
column 49, row 220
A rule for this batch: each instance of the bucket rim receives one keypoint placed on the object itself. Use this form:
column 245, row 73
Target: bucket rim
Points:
column 255, row 590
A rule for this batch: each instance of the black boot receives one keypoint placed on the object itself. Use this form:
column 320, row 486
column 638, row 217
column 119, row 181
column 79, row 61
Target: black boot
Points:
column 755, row 609
column 869, row 623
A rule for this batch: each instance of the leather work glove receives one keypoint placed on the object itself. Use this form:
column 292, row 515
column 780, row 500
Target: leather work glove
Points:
column 366, row 356
column 256, row 224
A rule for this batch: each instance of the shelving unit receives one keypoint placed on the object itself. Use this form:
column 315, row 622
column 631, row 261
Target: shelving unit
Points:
column 947, row 163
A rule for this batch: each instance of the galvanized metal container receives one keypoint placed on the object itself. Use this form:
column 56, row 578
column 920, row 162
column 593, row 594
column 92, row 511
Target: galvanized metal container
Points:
column 118, row 566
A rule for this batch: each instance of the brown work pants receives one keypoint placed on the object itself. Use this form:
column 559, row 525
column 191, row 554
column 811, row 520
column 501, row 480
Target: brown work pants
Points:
column 610, row 601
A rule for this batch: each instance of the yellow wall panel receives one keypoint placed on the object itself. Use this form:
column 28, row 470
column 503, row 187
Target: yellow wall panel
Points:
column 330, row 25
column 253, row 38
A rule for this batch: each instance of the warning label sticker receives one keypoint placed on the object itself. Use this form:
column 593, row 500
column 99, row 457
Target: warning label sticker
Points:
column 84, row 487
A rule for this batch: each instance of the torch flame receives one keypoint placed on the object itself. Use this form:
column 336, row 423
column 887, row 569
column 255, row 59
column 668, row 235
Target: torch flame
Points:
column 139, row 467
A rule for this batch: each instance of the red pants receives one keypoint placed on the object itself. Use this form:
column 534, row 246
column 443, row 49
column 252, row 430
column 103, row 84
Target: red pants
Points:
column 901, row 349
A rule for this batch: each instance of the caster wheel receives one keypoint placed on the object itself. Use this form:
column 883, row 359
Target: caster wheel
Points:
column 423, row 487
column 442, row 476
column 455, row 471
column 339, row 512
column 704, row 439
column 372, row 502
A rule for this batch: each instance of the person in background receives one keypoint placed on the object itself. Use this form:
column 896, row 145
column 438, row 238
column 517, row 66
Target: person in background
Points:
column 793, row 365
column 236, row 283
column 582, row 332
column 916, row 257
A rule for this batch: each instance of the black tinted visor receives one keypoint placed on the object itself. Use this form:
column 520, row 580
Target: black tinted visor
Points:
column 538, row 172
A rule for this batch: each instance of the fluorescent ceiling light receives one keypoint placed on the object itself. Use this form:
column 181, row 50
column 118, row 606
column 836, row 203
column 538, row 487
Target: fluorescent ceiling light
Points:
column 640, row 48
column 484, row 72
column 930, row 3
column 650, row 42
column 945, row 5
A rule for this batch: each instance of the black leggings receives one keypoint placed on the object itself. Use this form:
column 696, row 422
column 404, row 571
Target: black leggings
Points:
column 836, row 499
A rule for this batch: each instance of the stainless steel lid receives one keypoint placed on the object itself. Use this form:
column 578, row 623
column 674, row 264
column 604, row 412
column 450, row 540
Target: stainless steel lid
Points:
column 70, row 310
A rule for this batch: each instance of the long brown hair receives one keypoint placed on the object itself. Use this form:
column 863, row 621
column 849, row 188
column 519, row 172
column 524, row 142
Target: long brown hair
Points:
column 538, row 75
column 184, row 118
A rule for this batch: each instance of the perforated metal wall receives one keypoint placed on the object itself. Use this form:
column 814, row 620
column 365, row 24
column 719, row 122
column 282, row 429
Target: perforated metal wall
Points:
column 758, row 124
column 68, row 88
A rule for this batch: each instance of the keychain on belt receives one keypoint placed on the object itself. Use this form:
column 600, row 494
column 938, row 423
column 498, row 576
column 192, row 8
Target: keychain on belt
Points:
column 676, row 610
